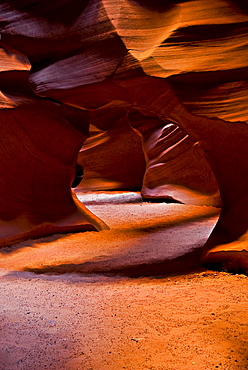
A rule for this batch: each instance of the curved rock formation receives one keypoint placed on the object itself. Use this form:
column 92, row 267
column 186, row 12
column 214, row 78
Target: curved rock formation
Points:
column 113, row 159
column 112, row 156
column 140, row 57
column 36, row 175
column 175, row 165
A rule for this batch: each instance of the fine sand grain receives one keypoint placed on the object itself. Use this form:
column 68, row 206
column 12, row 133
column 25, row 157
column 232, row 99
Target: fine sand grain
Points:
column 132, row 297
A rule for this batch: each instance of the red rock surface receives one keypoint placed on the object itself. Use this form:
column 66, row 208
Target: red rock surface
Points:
column 183, row 63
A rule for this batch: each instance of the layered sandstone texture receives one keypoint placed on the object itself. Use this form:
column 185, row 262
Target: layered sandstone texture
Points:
column 173, row 72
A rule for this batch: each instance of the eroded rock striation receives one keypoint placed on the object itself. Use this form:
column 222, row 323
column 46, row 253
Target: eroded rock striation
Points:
column 176, row 72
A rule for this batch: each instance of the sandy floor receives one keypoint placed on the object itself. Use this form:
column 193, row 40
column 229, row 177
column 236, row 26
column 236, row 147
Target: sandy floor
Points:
column 132, row 297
